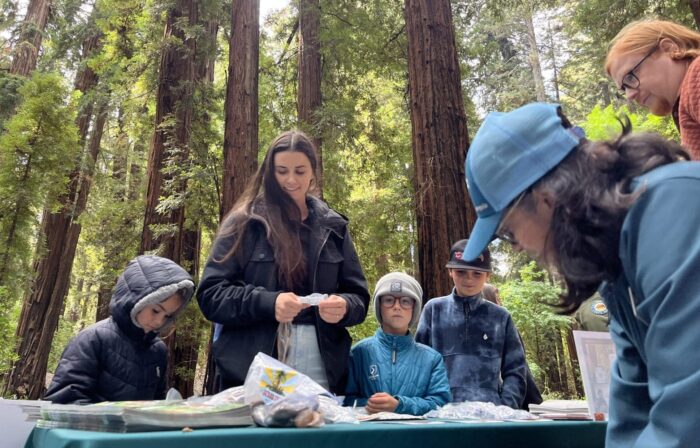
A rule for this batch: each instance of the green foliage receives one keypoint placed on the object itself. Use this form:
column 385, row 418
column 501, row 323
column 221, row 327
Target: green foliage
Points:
column 603, row 123
column 37, row 151
column 531, row 300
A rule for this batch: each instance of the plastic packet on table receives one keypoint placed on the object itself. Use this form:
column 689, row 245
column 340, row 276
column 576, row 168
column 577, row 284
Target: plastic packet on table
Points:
column 313, row 299
column 270, row 380
column 333, row 412
column 294, row 410
column 478, row 410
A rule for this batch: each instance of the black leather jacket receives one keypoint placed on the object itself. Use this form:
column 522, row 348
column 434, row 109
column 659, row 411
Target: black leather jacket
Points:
column 240, row 293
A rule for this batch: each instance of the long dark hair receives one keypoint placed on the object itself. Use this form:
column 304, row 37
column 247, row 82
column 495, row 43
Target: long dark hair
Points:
column 264, row 201
column 592, row 190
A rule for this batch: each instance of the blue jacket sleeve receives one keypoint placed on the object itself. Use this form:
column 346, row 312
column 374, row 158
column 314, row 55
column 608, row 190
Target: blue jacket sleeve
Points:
column 75, row 379
column 438, row 392
column 423, row 330
column 354, row 395
column 660, row 250
column 224, row 297
column 513, row 368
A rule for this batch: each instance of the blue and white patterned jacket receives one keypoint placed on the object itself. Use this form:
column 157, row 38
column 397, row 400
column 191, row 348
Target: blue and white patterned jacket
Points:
column 480, row 346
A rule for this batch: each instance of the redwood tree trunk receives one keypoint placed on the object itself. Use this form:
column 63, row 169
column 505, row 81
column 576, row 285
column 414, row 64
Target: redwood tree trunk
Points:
column 43, row 304
column 241, row 130
column 26, row 51
column 170, row 144
column 443, row 211
column 695, row 8
column 309, row 92
column 169, row 153
column 534, row 57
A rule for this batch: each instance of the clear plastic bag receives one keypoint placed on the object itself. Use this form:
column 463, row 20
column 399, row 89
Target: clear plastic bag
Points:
column 477, row 410
column 294, row 410
column 270, row 380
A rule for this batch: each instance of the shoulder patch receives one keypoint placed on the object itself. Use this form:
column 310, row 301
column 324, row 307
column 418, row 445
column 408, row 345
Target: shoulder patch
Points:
column 599, row 308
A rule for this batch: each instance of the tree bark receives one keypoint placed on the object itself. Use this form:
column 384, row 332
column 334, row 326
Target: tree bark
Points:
column 534, row 56
column 241, row 133
column 309, row 99
column 170, row 144
column 26, row 52
column 43, row 304
column 695, row 8
column 444, row 213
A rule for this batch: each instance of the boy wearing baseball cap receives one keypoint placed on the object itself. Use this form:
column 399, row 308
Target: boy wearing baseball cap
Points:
column 389, row 371
column 477, row 339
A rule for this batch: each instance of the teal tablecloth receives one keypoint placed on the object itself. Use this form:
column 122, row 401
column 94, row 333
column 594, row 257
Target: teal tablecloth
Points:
column 385, row 435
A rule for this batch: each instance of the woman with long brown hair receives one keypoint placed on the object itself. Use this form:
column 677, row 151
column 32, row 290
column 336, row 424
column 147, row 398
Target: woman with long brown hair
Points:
column 278, row 243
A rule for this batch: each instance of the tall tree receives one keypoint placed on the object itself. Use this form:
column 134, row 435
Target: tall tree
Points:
column 164, row 227
column 444, row 213
column 309, row 93
column 58, row 239
column 241, row 129
column 26, row 51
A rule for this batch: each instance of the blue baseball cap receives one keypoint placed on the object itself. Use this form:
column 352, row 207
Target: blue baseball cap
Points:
column 510, row 152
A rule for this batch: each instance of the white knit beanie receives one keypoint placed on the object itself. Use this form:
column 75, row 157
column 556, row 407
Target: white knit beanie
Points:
column 399, row 284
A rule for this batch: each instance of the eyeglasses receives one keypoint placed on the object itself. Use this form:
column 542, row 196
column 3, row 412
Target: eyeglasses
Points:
column 503, row 232
column 389, row 301
column 630, row 80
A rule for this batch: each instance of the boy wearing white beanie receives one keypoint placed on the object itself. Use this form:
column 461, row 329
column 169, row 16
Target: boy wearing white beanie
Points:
column 390, row 371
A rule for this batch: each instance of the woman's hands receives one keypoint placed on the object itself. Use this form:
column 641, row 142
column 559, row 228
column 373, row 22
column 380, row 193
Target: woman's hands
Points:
column 287, row 306
column 332, row 309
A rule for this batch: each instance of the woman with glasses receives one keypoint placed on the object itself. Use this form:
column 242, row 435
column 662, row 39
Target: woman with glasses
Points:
column 277, row 245
column 477, row 339
column 653, row 62
column 390, row 372
column 616, row 216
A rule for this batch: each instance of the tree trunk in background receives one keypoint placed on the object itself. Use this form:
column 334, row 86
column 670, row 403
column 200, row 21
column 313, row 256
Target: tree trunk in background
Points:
column 695, row 8
column 184, row 343
column 170, row 144
column 444, row 213
column 309, row 99
column 26, row 51
column 534, row 56
column 241, row 130
column 127, row 179
column 168, row 157
column 43, row 304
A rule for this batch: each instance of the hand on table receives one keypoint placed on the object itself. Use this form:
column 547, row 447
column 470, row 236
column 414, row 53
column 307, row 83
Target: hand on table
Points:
column 381, row 402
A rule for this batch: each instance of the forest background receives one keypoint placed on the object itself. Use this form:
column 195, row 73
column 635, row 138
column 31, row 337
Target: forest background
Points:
column 131, row 126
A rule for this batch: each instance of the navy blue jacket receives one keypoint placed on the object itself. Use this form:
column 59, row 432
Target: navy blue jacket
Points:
column 413, row 373
column 483, row 354
column 113, row 359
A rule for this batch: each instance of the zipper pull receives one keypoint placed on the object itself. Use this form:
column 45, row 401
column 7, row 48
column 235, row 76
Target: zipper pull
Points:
column 393, row 356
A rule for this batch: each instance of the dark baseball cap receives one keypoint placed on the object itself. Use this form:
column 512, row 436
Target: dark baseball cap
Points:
column 480, row 263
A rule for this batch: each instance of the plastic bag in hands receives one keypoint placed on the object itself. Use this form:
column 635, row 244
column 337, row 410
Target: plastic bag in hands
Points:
column 293, row 410
column 270, row 380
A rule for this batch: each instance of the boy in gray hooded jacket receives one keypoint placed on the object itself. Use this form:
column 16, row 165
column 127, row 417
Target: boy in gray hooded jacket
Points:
column 122, row 358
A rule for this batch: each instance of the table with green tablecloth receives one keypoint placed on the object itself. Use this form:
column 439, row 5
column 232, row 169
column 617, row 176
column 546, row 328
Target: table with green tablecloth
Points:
column 431, row 434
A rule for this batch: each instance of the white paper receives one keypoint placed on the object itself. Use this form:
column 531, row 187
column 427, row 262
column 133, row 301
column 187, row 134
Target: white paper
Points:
column 596, row 352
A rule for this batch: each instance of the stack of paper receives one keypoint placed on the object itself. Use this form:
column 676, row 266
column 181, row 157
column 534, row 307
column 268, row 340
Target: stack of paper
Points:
column 562, row 410
column 128, row 416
